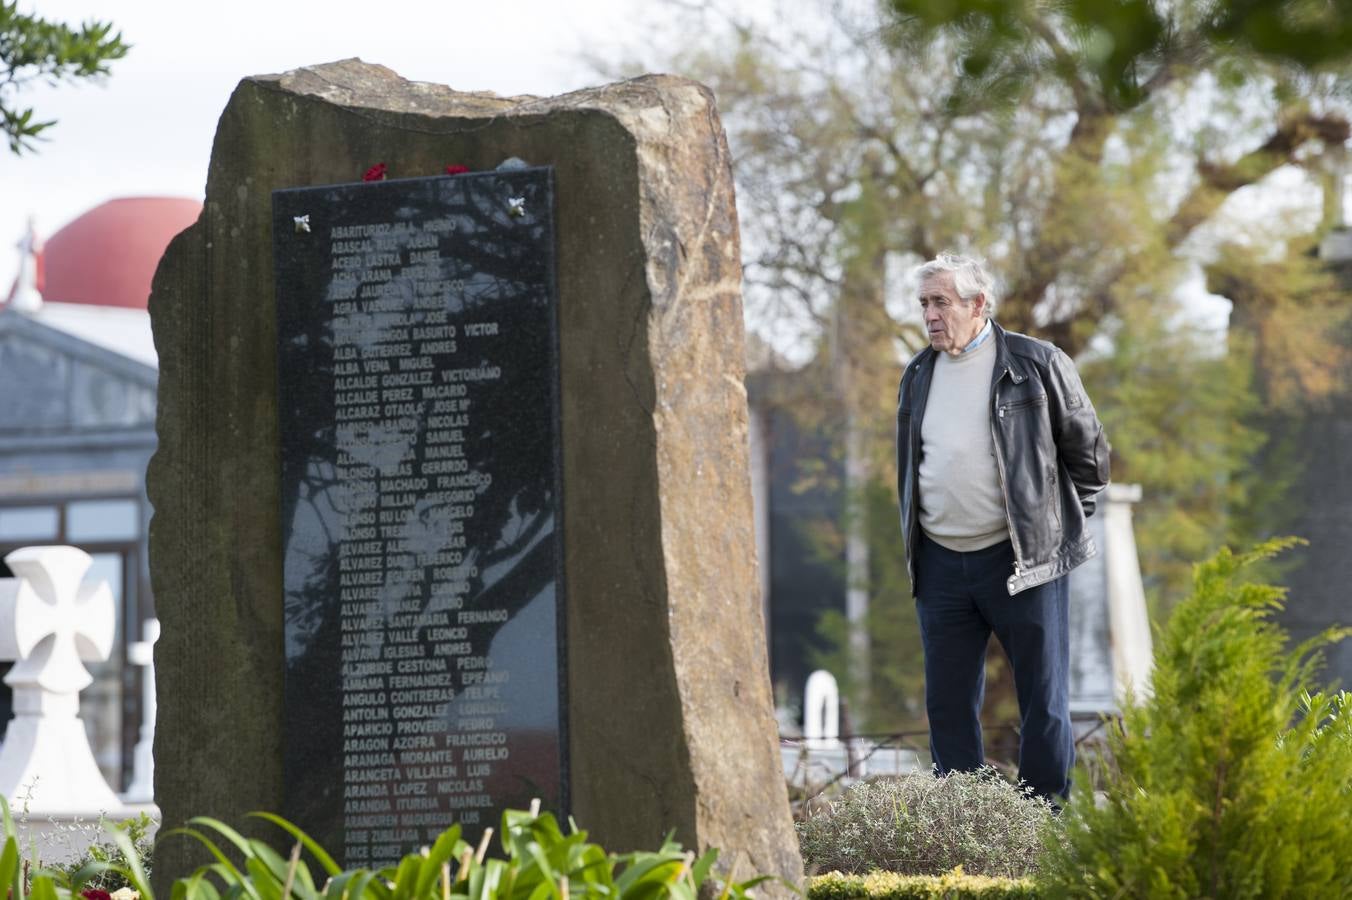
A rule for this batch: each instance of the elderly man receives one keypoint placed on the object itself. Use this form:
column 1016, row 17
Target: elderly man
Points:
column 999, row 456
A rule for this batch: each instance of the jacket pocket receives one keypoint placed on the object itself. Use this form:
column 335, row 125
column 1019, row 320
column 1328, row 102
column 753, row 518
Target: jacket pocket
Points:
column 1024, row 403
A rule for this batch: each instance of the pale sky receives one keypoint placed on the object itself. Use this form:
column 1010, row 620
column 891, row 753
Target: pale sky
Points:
column 148, row 129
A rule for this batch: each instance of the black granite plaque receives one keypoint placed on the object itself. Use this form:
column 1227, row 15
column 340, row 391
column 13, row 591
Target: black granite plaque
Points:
column 417, row 359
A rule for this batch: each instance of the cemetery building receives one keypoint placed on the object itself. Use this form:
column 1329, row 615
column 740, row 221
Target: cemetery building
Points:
column 77, row 427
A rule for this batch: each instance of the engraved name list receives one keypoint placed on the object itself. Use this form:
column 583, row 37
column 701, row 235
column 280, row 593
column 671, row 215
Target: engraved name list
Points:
column 417, row 345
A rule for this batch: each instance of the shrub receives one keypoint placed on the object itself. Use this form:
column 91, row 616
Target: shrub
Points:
column 1232, row 780
column 109, row 860
column 953, row 885
column 923, row 825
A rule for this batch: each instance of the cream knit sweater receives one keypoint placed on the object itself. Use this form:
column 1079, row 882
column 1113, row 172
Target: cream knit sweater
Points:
column 961, row 504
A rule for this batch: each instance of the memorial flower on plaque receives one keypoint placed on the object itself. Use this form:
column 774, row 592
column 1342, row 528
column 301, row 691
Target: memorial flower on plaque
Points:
column 376, row 173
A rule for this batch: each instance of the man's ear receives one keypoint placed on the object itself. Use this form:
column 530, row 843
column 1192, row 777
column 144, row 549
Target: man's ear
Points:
column 979, row 305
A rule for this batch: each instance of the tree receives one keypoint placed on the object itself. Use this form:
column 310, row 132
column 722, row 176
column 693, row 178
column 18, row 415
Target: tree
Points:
column 1180, row 407
column 1126, row 45
column 1111, row 68
column 865, row 143
column 1233, row 778
column 33, row 49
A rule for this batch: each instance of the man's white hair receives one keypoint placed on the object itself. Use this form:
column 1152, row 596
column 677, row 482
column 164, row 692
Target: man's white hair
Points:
column 970, row 276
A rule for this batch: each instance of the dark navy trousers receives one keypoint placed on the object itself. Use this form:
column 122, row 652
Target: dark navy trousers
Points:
column 961, row 598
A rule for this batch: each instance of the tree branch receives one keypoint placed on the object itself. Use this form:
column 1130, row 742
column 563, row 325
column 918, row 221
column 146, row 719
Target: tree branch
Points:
column 1217, row 182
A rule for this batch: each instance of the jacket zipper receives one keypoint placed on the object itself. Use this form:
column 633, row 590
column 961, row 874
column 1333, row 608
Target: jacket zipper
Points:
column 1000, row 470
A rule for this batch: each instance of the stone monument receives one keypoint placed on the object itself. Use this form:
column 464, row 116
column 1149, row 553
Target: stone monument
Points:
column 665, row 714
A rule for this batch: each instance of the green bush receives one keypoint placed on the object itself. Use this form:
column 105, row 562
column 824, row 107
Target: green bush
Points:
column 541, row 863
column 1231, row 780
column 923, row 825
column 953, row 885
column 102, row 851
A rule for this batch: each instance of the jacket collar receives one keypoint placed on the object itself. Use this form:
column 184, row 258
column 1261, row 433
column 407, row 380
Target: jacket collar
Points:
column 1004, row 360
column 924, row 370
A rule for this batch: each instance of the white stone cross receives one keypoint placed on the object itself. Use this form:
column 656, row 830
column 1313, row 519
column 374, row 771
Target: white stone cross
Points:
column 51, row 625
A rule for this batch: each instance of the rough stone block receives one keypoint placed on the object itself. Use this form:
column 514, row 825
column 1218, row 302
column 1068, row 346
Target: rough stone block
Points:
column 670, row 712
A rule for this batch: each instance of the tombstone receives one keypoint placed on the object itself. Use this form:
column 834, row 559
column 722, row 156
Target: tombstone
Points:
column 51, row 624
column 632, row 509
column 821, row 711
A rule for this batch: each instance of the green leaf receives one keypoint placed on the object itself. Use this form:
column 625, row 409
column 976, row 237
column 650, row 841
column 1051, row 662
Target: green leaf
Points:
column 43, row 889
column 230, row 834
column 133, row 869
column 364, row 880
column 83, row 874
column 406, row 876
column 490, row 879
column 198, row 887
column 10, row 872
column 447, row 847
column 700, row 870
column 544, row 889
column 264, row 882
column 234, row 879
column 330, row 867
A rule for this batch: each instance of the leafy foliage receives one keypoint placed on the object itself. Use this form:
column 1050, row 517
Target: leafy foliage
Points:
column 541, row 863
column 1296, row 313
column 954, row 885
column 107, row 860
column 1232, row 779
column 861, row 148
column 34, row 49
column 1190, row 448
column 1126, row 44
column 925, row 825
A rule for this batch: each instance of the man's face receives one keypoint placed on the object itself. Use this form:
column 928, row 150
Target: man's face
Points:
column 952, row 322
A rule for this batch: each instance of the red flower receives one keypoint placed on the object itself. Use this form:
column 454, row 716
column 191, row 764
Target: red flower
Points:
column 375, row 173
column 95, row 894
column 456, row 170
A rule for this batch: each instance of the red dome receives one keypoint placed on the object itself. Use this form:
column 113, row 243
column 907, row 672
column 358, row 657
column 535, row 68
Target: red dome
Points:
column 107, row 256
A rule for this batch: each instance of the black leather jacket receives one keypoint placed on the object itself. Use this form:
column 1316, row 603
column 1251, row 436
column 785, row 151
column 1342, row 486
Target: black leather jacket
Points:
column 1050, row 451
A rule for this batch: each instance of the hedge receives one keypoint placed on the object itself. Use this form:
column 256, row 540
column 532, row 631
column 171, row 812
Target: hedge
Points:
column 954, row 885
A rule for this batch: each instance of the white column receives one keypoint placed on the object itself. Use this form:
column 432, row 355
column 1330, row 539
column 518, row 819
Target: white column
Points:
column 1129, row 622
column 142, row 653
